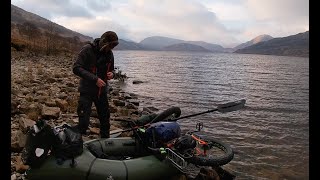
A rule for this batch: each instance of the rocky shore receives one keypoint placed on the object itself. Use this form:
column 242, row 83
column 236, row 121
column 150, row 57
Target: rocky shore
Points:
column 44, row 87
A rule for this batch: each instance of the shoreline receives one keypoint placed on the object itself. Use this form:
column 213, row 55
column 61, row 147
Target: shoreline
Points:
column 44, row 87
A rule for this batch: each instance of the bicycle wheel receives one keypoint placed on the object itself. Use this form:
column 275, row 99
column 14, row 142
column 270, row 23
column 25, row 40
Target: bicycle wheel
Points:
column 173, row 112
column 211, row 152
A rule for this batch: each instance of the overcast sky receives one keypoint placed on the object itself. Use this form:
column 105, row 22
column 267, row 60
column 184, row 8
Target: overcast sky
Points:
column 224, row 22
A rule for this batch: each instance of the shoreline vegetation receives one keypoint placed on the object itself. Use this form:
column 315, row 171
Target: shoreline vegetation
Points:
column 44, row 87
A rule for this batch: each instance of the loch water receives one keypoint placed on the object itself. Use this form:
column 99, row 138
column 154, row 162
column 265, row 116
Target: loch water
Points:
column 270, row 135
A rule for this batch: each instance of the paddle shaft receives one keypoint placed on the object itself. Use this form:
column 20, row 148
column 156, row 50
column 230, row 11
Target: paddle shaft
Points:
column 231, row 106
column 192, row 115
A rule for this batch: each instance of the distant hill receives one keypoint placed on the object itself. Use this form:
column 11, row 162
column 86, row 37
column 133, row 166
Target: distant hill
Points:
column 32, row 32
column 158, row 42
column 294, row 45
column 256, row 40
column 39, row 35
column 209, row 46
column 185, row 47
column 161, row 43
column 20, row 16
column 128, row 45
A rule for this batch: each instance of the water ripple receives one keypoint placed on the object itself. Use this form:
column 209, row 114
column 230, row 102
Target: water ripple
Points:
column 270, row 136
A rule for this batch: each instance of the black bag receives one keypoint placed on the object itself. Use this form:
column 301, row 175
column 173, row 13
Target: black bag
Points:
column 68, row 144
column 162, row 132
column 185, row 142
column 39, row 141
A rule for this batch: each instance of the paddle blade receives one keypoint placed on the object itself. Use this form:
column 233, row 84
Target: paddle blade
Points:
column 231, row 106
column 115, row 133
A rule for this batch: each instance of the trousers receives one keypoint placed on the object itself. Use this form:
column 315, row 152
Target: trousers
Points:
column 84, row 112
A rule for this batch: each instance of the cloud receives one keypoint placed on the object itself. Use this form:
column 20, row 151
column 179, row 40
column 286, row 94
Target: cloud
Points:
column 227, row 23
column 182, row 19
column 98, row 5
column 283, row 11
column 246, row 19
column 51, row 8
column 91, row 27
column 228, row 10
column 278, row 18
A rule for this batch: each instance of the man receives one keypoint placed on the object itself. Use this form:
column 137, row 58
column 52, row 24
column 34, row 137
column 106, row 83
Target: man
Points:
column 94, row 64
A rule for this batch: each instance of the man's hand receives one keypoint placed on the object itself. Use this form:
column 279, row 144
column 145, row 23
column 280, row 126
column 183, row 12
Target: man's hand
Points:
column 109, row 75
column 100, row 83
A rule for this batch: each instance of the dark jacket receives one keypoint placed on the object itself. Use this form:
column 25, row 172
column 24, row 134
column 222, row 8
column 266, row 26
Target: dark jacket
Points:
column 90, row 64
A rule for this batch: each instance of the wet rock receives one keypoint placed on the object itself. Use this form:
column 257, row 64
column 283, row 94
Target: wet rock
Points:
column 20, row 167
column 18, row 141
column 124, row 112
column 33, row 111
column 207, row 173
column 117, row 102
column 62, row 104
column 40, row 99
column 25, row 124
column 50, row 103
column 137, row 82
column 63, row 95
column 134, row 101
column 131, row 106
column 127, row 96
column 50, row 112
column 112, row 109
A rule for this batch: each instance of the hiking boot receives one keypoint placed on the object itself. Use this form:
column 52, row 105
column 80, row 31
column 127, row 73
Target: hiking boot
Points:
column 105, row 134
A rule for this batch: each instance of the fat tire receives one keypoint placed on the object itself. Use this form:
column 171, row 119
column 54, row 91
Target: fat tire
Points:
column 168, row 112
column 214, row 161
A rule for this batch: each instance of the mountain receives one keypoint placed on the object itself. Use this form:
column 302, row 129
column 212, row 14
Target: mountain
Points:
column 294, row 45
column 160, row 43
column 208, row 46
column 20, row 17
column 32, row 32
column 128, row 45
column 256, row 40
column 185, row 47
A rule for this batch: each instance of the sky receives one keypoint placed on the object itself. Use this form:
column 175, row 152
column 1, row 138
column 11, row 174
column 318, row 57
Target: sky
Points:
column 224, row 22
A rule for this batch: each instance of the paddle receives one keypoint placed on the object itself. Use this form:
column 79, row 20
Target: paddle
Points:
column 115, row 133
column 223, row 108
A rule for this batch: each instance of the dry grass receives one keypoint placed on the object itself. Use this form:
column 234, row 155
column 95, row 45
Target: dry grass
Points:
column 42, row 44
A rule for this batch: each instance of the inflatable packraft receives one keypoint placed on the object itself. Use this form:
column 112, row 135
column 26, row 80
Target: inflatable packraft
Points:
column 121, row 158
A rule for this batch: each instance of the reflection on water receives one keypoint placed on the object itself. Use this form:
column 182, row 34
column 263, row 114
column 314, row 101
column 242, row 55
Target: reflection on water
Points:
column 270, row 136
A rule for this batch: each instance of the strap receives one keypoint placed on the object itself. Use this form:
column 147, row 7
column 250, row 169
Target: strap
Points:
column 105, row 78
column 108, row 69
column 91, row 164
column 125, row 165
column 73, row 163
column 153, row 137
